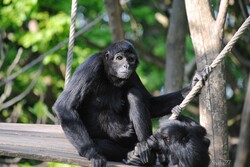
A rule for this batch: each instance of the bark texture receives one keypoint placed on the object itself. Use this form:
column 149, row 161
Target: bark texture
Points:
column 207, row 33
column 114, row 11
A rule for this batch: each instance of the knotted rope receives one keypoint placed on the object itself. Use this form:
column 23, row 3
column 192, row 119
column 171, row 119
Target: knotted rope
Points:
column 216, row 61
column 71, row 41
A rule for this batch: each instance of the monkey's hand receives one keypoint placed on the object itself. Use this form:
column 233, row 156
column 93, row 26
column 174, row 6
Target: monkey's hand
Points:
column 139, row 156
column 143, row 150
column 176, row 110
column 133, row 159
column 143, row 153
column 96, row 159
column 201, row 75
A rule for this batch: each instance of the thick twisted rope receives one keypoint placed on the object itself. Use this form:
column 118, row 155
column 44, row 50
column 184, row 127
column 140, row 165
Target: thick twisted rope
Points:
column 216, row 61
column 71, row 41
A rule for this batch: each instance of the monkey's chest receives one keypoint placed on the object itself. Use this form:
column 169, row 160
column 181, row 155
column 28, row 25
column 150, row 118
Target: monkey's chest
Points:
column 109, row 111
column 109, row 124
column 107, row 115
column 109, row 100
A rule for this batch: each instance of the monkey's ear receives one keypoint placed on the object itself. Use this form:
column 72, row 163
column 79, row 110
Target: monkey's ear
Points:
column 107, row 54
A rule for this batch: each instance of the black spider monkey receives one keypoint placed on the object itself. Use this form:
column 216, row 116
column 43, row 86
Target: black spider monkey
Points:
column 105, row 109
column 180, row 143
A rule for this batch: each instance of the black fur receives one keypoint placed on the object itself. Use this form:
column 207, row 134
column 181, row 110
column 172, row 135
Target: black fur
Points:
column 180, row 143
column 105, row 109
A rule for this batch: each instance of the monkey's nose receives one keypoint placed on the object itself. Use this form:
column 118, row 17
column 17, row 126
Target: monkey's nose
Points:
column 126, row 66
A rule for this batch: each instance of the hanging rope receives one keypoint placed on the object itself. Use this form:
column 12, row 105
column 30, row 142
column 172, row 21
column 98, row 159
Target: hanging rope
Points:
column 217, row 60
column 71, row 41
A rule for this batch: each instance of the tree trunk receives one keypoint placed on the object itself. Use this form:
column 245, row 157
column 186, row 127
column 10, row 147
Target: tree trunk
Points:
column 115, row 22
column 207, row 34
column 176, row 42
column 243, row 152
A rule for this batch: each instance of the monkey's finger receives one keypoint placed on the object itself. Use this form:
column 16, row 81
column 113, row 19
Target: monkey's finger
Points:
column 208, row 69
column 131, row 155
column 97, row 163
column 162, row 157
column 198, row 76
column 133, row 162
column 133, row 159
column 136, row 151
column 125, row 161
column 177, row 110
column 145, row 153
column 130, row 162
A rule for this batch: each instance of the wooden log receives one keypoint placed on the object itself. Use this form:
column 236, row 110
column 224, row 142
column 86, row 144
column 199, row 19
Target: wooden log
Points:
column 40, row 142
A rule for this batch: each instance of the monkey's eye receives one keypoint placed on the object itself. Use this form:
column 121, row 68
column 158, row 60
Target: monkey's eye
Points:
column 166, row 138
column 131, row 59
column 119, row 58
column 107, row 54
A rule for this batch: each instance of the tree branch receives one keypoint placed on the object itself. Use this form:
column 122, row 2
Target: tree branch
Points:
column 1, row 49
column 244, row 143
column 207, row 41
column 8, row 86
column 114, row 11
column 16, row 60
column 176, row 47
column 25, row 93
column 221, row 15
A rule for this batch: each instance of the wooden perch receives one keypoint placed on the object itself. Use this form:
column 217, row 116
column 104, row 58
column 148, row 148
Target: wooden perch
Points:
column 40, row 142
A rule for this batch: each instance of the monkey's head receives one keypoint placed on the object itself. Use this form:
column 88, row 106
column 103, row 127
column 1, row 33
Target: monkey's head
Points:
column 184, row 144
column 120, row 61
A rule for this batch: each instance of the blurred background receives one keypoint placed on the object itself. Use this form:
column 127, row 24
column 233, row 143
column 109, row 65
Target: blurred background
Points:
column 34, row 53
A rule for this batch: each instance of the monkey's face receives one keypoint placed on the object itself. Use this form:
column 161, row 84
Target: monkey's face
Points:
column 123, row 65
column 120, row 60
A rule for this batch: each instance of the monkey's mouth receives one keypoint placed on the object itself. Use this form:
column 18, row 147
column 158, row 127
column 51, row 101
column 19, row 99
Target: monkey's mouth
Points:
column 123, row 75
